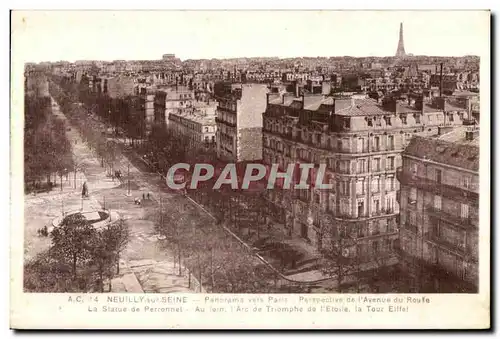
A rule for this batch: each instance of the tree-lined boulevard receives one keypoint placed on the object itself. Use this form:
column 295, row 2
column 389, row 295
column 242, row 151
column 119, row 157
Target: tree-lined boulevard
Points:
column 222, row 238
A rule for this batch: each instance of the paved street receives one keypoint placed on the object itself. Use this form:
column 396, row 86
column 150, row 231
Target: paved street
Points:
column 145, row 265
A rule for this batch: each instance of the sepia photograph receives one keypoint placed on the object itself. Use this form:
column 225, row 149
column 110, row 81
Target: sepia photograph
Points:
column 322, row 154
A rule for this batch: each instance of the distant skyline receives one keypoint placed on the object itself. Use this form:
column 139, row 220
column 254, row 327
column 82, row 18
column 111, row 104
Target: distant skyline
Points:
column 147, row 35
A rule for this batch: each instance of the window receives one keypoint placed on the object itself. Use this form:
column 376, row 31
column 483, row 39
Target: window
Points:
column 360, row 187
column 390, row 226
column 345, row 207
column 344, row 187
column 347, row 123
column 438, row 175
column 390, row 184
column 361, row 166
column 390, row 142
column 361, row 145
column 417, row 118
column 376, row 143
column 450, row 117
column 388, row 121
column 331, row 163
column 389, row 204
column 375, row 247
column 376, row 164
column 370, row 122
column 206, row 129
column 464, row 211
column 466, row 182
column 376, row 185
column 430, row 117
column 437, row 202
column 376, row 206
column 403, row 119
column 361, row 208
column 390, row 163
column 413, row 195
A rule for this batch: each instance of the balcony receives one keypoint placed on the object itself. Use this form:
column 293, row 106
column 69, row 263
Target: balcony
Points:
column 382, row 212
column 455, row 248
column 451, row 192
column 462, row 223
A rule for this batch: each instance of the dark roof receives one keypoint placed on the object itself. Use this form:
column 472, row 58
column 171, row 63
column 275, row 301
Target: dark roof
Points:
column 460, row 155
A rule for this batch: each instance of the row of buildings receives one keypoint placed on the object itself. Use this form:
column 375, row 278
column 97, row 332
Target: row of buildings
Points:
column 364, row 137
column 362, row 141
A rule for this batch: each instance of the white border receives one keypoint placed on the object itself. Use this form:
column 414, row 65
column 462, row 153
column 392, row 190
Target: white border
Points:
column 478, row 4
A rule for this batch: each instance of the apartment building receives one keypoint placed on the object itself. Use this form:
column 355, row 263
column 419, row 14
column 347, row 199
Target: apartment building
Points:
column 172, row 99
column 200, row 130
column 439, row 204
column 239, row 121
column 360, row 140
column 180, row 100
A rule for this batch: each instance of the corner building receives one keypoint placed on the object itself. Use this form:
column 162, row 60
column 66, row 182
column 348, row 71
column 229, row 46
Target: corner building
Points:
column 439, row 212
column 360, row 140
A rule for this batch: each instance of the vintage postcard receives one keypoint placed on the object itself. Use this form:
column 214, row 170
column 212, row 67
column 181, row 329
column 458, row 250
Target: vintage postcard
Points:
column 250, row 169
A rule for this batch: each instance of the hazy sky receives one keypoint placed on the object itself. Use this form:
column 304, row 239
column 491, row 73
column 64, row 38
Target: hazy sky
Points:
column 110, row 35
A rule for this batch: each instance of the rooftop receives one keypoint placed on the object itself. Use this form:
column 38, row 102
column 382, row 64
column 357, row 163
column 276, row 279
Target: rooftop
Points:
column 457, row 135
column 204, row 120
column 456, row 154
column 354, row 107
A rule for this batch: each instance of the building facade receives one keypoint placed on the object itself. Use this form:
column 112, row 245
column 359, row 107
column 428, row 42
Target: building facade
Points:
column 439, row 212
column 199, row 130
column 239, row 121
column 360, row 141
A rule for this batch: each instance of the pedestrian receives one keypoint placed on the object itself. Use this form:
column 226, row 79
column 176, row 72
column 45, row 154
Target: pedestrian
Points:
column 143, row 196
column 149, row 196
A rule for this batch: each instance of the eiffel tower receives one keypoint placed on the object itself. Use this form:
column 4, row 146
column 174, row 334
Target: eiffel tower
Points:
column 401, row 45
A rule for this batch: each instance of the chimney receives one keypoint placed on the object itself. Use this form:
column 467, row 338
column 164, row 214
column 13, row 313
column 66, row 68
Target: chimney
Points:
column 471, row 132
column 468, row 107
